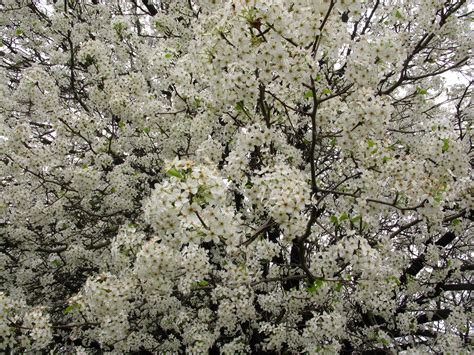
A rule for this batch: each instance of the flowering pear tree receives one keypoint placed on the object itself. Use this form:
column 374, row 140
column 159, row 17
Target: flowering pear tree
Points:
column 281, row 176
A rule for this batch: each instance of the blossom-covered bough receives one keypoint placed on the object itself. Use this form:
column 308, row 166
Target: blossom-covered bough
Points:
column 276, row 176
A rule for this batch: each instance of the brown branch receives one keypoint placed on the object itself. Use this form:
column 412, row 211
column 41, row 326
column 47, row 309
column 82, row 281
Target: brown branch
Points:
column 458, row 287
column 419, row 263
column 316, row 42
column 150, row 7
column 265, row 227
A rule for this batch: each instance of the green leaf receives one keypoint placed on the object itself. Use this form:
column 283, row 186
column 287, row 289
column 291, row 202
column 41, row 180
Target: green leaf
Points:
column 398, row 14
column 316, row 285
column 332, row 142
column 338, row 287
column 385, row 158
column 239, row 106
column 146, row 130
column 445, row 145
column 71, row 308
column 124, row 250
column 89, row 60
column 174, row 172
column 118, row 27
column 168, row 55
column 356, row 218
column 334, row 220
column 370, row 143
column 410, row 279
column 456, row 221
column 308, row 94
column 421, row 91
column 200, row 283
column 56, row 262
column 121, row 124
column 19, row 31
column 132, row 225
column 326, row 91
column 318, row 77
column 343, row 217
column 393, row 279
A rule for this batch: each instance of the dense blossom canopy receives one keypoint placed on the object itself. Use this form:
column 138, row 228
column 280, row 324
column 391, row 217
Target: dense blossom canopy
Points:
column 280, row 176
